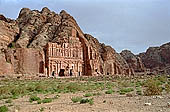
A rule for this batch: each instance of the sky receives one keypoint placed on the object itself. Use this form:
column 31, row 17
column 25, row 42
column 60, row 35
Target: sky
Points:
column 124, row 24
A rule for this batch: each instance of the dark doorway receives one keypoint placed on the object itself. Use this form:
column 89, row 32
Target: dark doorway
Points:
column 71, row 72
column 79, row 73
column 52, row 74
column 61, row 73
column 41, row 67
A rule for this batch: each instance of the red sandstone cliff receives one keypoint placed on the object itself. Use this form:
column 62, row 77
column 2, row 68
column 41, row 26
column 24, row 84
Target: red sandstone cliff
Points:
column 134, row 62
column 23, row 42
column 157, row 59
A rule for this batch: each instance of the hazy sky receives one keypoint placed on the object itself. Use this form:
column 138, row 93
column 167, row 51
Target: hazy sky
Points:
column 123, row 24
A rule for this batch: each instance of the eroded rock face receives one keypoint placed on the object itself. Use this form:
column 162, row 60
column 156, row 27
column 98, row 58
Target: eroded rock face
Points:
column 6, row 65
column 33, row 30
column 21, row 61
column 157, row 58
column 133, row 61
column 108, row 60
column 8, row 31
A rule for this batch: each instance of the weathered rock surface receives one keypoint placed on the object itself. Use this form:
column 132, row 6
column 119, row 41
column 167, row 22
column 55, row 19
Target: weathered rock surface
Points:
column 8, row 31
column 110, row 61
column 28, row 35
column 133, row 61
column 6, row 66
column 157, row 58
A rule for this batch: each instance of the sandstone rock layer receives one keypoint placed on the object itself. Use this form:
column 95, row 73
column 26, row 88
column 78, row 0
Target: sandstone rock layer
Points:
column 23, row 44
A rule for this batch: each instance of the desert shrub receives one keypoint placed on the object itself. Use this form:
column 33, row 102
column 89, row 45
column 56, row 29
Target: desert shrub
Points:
column 40, row 87
column 34, row 98
column 97, row 94
column 167, row 88
column 18, row 91
column 88, row 95
column 73, row 87
column 8, row 101
column 3, row 108
column 15, row 97
column 5, row 97
column 84, row 101
column 39, row 101
column 76, row 99
column 138, row 91
column 110, row 85
column 30, row 87
column 125, row 83
column 90, row 101
column 153, row 88
column 126, row 90
column 4, row 90
column 162, row 79
column 110, row 91
column 41, row 109
column 47, row 100
column 99, row 85
column 138, row 83
column 149, row 82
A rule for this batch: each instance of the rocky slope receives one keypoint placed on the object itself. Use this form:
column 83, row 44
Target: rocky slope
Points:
column 22, row 42
column 157, row 59
column 134, row 61
column 111, row 61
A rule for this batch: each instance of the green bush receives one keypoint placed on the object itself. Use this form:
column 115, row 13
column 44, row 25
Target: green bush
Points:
column 88, row 95
column 162, row 79
column 41, row 109
column 90, row 101
column 151, row 81
column 39, row 101
column 34, row 98
column 47, row 100
column 18, row 91
column 153, row 88
column 110, row 85
column 126, row 90
column 138, row 83
column 3, row 108
column 40, row 87
column 97, row 94
column 76, row 99
column 8, row 101
column 4, row 90
column 84, row 101
column 167, row 88
column 125, row 83
column 110, row 91
column 138, row 91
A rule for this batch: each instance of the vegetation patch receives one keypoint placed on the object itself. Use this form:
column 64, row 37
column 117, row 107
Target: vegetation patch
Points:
column 110, row 91
column 34, row 98
column 90, row 101
column 125, row 90
column 88, row 95
column 47, row 100
column 76, row 99
column 152, row 88
column 3, row 108
column 8, row 101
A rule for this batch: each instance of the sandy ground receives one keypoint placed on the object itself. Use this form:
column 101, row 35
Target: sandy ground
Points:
column 102, row 103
